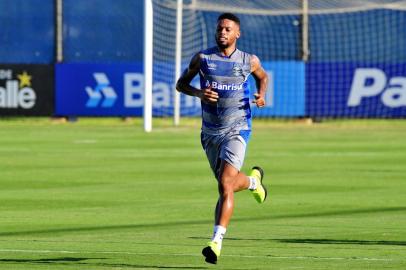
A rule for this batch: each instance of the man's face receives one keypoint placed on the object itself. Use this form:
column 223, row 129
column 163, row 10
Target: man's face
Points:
column 227, row 33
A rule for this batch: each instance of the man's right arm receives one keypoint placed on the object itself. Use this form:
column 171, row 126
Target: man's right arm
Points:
column 183, row 84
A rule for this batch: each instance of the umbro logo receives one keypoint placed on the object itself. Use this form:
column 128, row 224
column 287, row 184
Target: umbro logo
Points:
column 212, row 66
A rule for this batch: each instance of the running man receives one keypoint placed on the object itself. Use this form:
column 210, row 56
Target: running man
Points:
column 226, row 119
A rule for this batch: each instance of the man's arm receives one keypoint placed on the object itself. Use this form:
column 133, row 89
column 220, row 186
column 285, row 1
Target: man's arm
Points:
column 183, row 84
column 261, row 79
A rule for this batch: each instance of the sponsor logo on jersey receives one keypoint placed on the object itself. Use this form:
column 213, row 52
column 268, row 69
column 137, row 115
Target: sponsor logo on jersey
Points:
column 232, row 86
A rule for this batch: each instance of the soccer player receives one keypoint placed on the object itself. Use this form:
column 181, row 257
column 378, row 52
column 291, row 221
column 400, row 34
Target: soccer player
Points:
column 226, row 119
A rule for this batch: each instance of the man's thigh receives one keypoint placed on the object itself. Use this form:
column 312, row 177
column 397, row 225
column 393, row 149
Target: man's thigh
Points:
column 228, row 148
column 233, row 151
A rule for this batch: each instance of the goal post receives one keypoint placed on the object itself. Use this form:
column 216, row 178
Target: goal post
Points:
column 148, row 64
column 178, row 60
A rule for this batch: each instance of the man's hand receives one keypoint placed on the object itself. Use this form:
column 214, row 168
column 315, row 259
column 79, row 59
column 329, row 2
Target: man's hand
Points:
column 209, row 96
column 261, row 80
column 259, row 100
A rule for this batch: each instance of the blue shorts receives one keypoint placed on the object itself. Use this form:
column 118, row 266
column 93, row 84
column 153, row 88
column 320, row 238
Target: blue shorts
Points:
column 230, row 147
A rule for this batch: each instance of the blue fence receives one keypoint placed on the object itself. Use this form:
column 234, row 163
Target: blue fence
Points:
column 27, row 33
column 107, row 31
column 371, row 36
column 356, row 66
column 103, row 31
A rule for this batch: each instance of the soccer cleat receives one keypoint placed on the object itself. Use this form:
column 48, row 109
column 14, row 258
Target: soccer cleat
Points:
column 260, row 193
column 212, row 252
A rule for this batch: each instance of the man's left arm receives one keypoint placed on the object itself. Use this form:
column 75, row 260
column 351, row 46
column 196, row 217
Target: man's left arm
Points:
column 261, row 79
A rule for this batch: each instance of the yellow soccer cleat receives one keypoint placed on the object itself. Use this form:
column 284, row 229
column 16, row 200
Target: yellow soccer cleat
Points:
column 212, row 252
column 260, row 193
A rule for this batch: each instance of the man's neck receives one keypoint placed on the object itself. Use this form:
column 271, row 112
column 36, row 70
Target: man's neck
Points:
column 227, row 51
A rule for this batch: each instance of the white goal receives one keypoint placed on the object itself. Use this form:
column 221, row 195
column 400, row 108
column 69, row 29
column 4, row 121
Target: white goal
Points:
column 288, row 36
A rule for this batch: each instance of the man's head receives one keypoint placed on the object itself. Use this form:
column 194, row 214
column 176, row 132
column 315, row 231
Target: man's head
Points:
column 228, row 30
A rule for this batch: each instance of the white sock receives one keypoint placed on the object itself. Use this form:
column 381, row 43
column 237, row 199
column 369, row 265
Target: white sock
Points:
column 219, row 232
column 253, row 183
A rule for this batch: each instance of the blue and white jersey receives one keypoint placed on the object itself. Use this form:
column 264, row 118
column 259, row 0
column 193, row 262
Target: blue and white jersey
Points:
column 228, row 76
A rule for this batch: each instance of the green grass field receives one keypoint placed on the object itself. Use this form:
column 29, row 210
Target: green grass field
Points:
column 102, row 194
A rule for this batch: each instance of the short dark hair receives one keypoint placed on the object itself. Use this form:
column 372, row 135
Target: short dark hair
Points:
column 229, row 16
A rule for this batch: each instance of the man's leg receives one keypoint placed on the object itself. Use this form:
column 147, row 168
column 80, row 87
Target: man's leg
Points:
column 227, row 170
column 230, row 180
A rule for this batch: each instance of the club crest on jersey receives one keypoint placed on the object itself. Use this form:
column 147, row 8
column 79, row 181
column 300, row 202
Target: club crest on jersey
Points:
column 237, row 69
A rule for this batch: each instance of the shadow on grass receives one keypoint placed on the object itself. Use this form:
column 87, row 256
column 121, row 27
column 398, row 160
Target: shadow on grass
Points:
column 197, row 222
column 343, row 242
column 47, row 260
column 78, row 261
column 338, row 213
column 319, row 241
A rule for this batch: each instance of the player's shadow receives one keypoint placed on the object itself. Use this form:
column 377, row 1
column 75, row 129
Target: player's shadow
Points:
column 343, row 242
column 329, row 241
column 80, row 261
column 107, row 227
column 149, row 266
column 47, row 260
column 339, row 212
column 318, row 241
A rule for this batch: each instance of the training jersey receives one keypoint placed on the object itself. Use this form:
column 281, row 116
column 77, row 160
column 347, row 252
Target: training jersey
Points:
column 228, row 76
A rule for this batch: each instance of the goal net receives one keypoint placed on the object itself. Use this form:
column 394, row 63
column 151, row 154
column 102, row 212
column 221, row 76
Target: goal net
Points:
column 268, row 30
column 357, row 64
column 324, row 58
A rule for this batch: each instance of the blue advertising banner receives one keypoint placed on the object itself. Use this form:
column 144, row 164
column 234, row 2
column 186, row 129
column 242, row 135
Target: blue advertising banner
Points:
column 113, row 90
column 286, row 90
column 355, row 90
column 118, row 90
column 99, row 89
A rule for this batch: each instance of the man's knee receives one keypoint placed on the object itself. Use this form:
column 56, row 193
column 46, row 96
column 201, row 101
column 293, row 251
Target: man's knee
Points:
column 226, row 183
